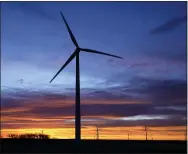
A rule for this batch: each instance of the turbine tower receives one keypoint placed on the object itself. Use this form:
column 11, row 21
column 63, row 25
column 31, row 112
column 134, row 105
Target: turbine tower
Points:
column 76, row 54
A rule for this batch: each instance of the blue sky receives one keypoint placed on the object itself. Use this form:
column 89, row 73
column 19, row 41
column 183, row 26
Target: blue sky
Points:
column 150, row 36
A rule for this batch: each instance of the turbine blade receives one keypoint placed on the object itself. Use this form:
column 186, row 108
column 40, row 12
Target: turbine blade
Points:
column 66, row 63
column 99, row 52
column 70, row 32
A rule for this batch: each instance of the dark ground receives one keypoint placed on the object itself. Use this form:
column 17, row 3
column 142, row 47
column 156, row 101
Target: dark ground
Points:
column 91, row 146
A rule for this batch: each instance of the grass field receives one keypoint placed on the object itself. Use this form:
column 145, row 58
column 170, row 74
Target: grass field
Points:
column 91, row 146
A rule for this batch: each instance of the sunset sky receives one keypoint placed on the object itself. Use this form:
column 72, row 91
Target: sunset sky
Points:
column 120, row 97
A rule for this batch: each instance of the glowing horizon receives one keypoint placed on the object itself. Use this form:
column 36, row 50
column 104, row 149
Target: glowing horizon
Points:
column 111, row 133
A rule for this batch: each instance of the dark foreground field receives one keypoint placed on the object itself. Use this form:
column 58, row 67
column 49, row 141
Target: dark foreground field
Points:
column 91, row 146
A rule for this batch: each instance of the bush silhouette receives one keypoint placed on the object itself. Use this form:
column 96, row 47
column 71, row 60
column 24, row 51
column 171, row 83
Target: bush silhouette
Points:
column 29, row 136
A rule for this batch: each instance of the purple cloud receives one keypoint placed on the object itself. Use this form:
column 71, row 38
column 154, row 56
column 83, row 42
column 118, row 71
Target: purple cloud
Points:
column 169, row 25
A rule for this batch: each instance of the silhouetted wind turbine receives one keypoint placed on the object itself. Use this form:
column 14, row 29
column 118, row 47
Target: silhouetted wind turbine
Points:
column 76, row 54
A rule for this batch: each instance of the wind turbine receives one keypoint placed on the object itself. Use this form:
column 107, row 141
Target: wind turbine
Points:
column 97, row 133
column 76, row 54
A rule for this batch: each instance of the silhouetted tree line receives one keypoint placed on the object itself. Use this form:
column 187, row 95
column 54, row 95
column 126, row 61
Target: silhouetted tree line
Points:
column 29, row 136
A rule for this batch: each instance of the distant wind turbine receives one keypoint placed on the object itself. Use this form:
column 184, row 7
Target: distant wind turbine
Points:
column 97, row 133
column 146, row 129
column 76, row 54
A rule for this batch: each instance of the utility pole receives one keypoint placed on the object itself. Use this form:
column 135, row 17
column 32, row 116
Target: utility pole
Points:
column 146, row 129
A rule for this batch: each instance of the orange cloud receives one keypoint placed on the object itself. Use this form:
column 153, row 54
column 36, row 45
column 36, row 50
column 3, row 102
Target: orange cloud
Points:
column 21, row 119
